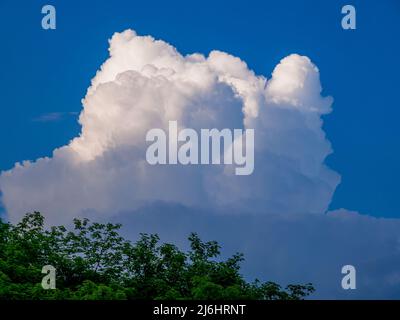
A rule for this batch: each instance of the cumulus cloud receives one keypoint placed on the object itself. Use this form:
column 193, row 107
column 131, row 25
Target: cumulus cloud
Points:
column 147, row 82
column 276, row 216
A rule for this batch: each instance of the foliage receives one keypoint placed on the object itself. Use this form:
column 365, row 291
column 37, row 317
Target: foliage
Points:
column 94, row 262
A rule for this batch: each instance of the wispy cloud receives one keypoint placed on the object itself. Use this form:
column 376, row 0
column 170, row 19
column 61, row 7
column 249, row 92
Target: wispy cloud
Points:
column 53, row 116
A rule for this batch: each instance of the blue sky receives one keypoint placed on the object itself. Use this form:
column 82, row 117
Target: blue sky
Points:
column 49, row 71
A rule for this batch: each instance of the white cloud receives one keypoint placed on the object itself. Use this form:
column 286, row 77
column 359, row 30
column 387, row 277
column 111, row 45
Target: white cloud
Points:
column 147, row 82
column 267, row 215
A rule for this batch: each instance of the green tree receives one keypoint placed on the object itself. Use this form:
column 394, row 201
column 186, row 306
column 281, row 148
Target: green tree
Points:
column 94, row 262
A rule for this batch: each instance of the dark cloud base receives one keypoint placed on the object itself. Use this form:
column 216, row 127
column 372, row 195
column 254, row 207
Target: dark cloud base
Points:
column 289, row 249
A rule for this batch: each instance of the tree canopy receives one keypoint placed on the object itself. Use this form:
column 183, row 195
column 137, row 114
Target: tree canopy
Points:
column 93, row 262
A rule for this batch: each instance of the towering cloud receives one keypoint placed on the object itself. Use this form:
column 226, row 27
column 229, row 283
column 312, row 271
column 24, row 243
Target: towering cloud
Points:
column 276, row 216
column 144, row 84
